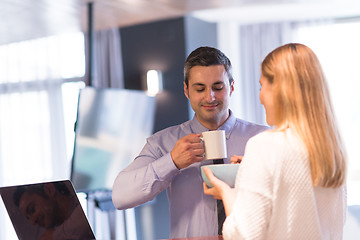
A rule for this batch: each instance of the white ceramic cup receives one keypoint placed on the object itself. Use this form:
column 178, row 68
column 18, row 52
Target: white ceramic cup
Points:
column 214, row 144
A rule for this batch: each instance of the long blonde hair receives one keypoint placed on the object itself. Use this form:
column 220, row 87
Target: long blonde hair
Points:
column 303, row 103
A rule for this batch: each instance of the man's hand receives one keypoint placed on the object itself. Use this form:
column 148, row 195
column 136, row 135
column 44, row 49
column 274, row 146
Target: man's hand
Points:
column 236, row 159
column 187, row 150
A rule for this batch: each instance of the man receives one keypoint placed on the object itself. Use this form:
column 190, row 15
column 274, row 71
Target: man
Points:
column 171, row 158
column 51, row 207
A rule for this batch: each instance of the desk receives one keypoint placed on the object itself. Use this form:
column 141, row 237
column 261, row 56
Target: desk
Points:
column 198, row 238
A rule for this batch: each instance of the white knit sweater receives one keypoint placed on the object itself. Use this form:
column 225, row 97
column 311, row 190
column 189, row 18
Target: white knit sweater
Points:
column 276, row 198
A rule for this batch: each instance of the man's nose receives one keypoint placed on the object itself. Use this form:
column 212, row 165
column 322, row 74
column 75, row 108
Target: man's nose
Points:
column 32, row 219
column 210, row 95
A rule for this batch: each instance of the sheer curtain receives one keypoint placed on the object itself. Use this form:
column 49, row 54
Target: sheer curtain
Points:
column 108, row 70
column 256, row 41
column 39, row 84
column 32, row 75
column 32, row 134
column 246, row 46
column 33, row 144
column 108, row 73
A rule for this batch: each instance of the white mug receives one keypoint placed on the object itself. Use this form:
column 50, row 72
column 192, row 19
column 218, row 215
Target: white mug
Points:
column 214, row 144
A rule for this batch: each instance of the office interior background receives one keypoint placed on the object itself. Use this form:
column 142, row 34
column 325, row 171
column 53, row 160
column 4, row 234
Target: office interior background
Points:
column 44, row 62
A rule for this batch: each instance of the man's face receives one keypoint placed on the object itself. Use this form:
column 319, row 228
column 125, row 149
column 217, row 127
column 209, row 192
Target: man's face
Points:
column 38, row 209
column 209, row 93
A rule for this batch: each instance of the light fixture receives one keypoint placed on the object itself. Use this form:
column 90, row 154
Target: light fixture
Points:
column 154, row 82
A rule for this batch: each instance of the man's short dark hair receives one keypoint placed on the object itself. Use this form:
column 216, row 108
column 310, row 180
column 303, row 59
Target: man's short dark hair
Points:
column 207, row 56
column 38, row 189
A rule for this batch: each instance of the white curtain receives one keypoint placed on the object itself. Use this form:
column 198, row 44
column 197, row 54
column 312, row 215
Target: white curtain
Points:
column 38, row 97
column 32, row 135
column 246, row 46
column 33, row 144
column 108, row 71
column 256, row 41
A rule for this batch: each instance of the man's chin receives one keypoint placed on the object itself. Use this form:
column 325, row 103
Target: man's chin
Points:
column 213, row 116
column 210, row 114
column 210, row 117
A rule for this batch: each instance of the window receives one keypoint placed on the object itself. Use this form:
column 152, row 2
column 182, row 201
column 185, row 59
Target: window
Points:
column 39, row 84
column 338, row 49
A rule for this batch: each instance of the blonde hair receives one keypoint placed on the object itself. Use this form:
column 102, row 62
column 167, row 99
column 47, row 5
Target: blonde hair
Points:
column 303, row 103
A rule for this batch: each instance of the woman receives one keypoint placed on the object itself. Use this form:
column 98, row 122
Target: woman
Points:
column 291, row 183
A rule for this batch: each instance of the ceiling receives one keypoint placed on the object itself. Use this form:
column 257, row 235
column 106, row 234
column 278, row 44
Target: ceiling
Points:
column 23, row 19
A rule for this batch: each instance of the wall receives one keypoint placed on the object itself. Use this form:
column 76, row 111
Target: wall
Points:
column 158, row 45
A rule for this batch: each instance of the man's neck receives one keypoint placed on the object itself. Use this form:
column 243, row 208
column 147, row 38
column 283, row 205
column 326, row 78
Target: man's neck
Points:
column 214, row 125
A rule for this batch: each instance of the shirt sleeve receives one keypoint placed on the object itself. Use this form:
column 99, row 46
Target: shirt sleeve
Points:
column 251, row 211
column 148, row 175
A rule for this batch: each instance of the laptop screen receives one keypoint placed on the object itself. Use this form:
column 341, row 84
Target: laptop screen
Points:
column 49, row 210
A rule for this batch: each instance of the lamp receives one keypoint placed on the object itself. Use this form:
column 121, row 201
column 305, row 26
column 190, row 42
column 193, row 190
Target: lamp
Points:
column 154, row 83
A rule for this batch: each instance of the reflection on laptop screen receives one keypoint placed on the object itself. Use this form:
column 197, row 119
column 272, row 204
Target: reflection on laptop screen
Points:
column 49, row 210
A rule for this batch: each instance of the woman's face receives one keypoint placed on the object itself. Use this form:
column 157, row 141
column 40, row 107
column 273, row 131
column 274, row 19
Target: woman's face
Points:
column 267, row 100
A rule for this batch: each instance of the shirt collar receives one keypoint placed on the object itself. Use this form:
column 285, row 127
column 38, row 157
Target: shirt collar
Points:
column 228, row 125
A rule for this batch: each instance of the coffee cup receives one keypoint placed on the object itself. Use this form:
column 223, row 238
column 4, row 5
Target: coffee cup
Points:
column 214, row 144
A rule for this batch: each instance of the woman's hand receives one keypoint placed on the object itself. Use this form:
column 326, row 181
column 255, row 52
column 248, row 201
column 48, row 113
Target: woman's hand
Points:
column 218, row 186
column 220, row 191
column 235, row 159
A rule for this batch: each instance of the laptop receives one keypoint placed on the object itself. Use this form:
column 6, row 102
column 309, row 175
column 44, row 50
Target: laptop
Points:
column 49, row 210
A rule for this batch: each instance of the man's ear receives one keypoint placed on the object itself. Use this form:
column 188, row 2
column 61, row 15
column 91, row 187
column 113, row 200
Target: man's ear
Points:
column 186, row 90
column 49, row 189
